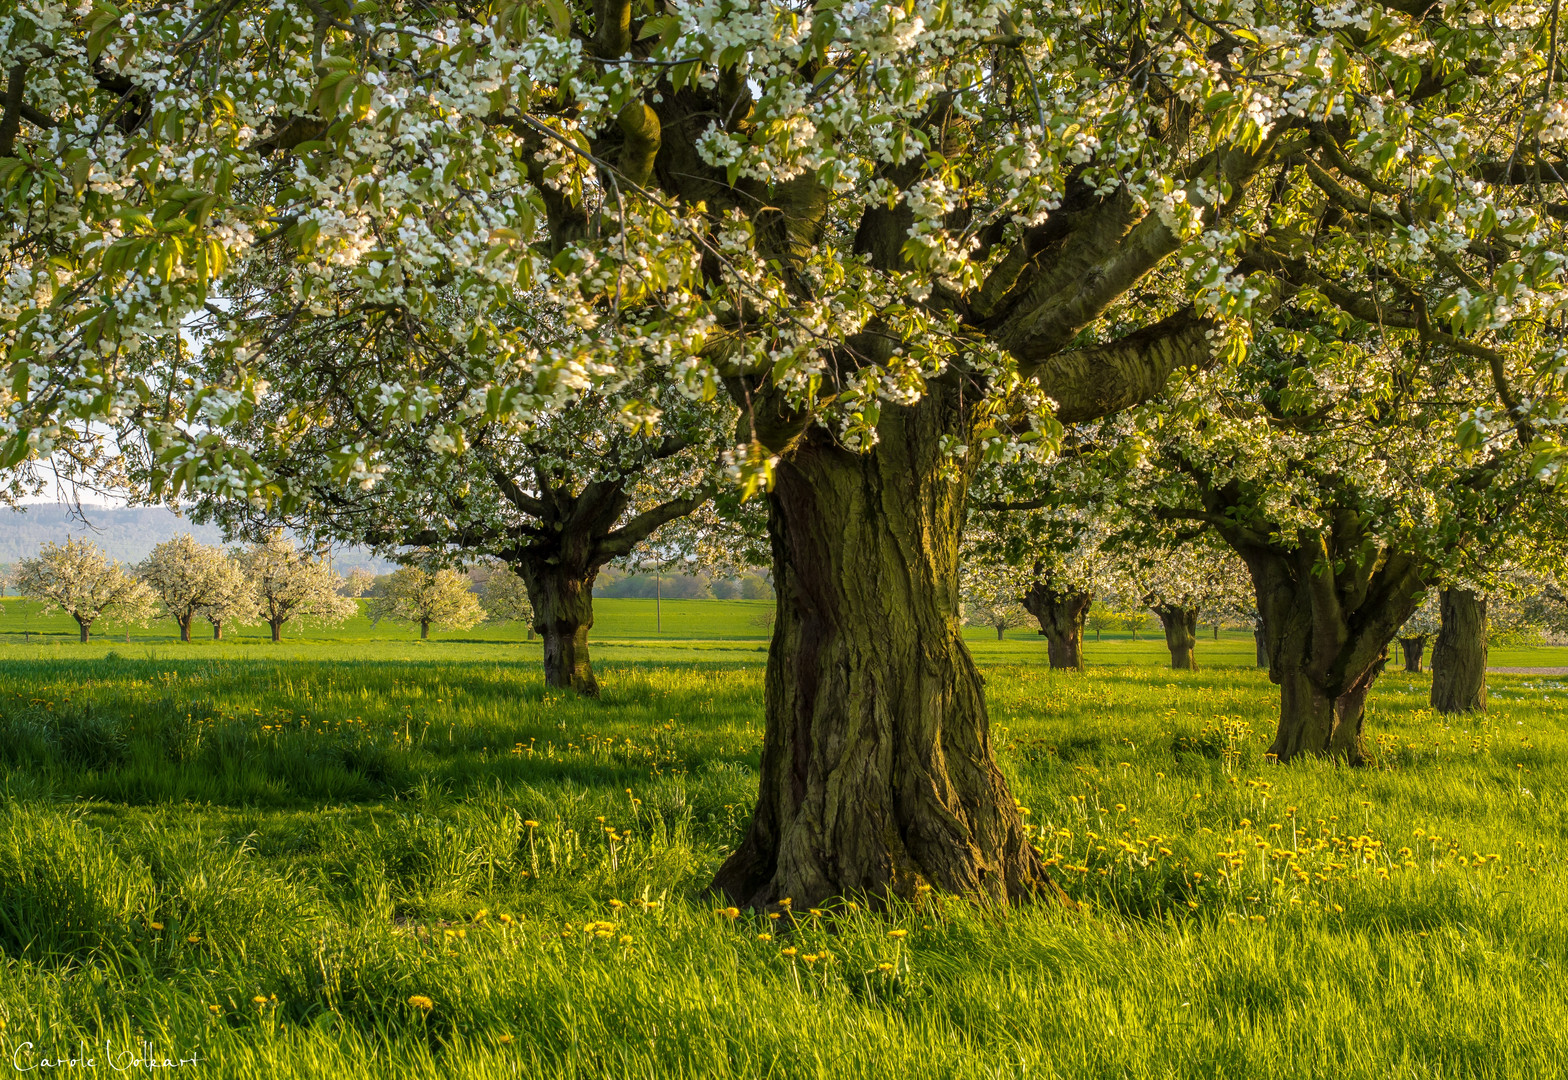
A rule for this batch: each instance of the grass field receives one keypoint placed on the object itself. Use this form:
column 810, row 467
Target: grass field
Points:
column 273, row 857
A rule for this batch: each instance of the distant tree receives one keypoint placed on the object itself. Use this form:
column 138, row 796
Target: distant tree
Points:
column 755, row 587
column 441, row 599
column 1417, row 631
column 290, row 583
column 190, row 578
column 990, row 598
column 504, row 598
column 725, row 589
column 1101, row 617
column 1133, row 621
column 85, row 583
column 359, row 582
column 7, row 577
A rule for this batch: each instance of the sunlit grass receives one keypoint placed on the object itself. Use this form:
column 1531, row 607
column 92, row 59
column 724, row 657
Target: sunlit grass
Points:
column 406, row 860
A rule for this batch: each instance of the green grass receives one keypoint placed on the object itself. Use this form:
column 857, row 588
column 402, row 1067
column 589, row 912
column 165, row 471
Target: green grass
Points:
column 318, row 823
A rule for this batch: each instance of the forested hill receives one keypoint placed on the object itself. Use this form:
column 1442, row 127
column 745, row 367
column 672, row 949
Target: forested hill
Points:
column 126, row 533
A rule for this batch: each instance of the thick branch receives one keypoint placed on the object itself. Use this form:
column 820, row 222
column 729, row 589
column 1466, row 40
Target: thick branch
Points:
column 1103, row 379
column 620, row 542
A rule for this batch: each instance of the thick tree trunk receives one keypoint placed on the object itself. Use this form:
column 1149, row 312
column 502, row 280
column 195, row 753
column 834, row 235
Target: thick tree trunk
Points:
column 217, row 631
column 1459, row 656
column 277, row 630
column 563, row 614
column 1414, row 648
column 1000, row 630
column 877, row 771
column 1261, row 644
column 424, row 629
column 1181, row 634
column 1061, row 615
column 185, row 628
column 1324, row 652
column 84, row 627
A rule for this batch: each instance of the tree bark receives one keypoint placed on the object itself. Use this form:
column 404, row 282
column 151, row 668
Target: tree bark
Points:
column 1327, row 635
column 1061, row 614
column 217, row 631
column 85, row 627
column 185, row 628
column 1260, row 643
column 277, row 629
column 1181, row 634
column 562, row 599
column 877, row 771
column 1414, row 648
column 1000, row 630
column 424, row 629
column 1459, row 656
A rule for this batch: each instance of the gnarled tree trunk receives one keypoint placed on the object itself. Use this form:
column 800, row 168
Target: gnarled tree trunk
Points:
column 424, row 629
column 877, row 768
column 217, row 631
column 1328, row 631
column 1414, row 648
column 1061, row 613
column 84, row 627
column 185, row 627
column 1261, row 645
column 1181, row 634
column 1459, row 656
column 562, row 599
column 277, row 629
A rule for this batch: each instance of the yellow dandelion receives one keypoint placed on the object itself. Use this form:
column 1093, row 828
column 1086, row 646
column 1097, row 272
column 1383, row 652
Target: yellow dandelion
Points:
column 422, row 1003
column 155, row 925
column 790, row 951
column 503, row 1039
column 884, row 967
column 505, row 919
column 897, row 933
column 531, row 824
column 193, row 939
column 730, row 912
column 214, row 1009
column 626, row 939
column 764, row 937
column 258, row 1000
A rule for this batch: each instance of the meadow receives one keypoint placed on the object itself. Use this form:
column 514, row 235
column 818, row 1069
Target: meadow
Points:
column 353, row 851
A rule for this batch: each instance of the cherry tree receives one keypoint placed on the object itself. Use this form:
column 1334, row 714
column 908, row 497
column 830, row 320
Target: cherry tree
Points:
column 1417, row 631
column 86, row 584
column 425, row 598
column 191, row 580
column 289, row 583
column 504, row 596
column 1351, row 476
column 903, row 239
column 1183, row 583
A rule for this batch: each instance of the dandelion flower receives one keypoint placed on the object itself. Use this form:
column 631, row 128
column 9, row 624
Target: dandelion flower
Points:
column 790, row 951
column 897, row 933
column 503, row 1039
column 258, row 1000
column 626, row 939
column 193, row 939
column 884, row 967
column 764, row 937
column 531, row 824
column 422, row 1003
column 155, row 925
column 214, row 1009
column 730, row 912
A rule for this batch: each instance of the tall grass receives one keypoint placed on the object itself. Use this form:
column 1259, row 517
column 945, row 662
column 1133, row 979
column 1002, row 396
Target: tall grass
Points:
column 275, row 862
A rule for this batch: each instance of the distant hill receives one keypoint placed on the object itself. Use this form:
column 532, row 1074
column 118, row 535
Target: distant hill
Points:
column 126, row 533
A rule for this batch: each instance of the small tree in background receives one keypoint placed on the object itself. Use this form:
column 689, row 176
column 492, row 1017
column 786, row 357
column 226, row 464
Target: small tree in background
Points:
column 1100, row 618
column 290, row 583
column 504, row 597
column 85, row 583
column 190, row 579
column 1418, row 629
column 441, row 599
column 358, row 582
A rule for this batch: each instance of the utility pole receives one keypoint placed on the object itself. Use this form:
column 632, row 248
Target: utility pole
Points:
column 658, row 589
